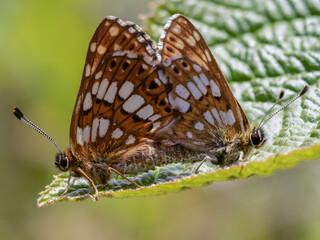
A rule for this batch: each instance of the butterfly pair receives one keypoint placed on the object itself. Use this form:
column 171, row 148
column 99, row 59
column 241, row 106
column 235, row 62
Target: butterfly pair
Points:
column 140, row 106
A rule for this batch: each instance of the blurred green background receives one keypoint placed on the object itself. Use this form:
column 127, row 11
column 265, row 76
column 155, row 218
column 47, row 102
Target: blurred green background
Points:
column 43, row 47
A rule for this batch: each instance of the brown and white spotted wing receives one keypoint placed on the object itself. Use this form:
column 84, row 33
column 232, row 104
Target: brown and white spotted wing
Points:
column 200, row 92
column 121, row 102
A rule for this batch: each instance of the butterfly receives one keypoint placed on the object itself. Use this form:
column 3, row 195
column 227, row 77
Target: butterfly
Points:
column 141, row 106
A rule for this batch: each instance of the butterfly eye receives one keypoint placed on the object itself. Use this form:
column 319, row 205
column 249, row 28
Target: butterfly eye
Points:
column 257, row 137
column 62, row 162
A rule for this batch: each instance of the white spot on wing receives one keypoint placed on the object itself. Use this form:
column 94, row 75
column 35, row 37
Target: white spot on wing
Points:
column 197, row 67
column 86, row 133
column 87, row 104
column 131, row 55
column 172, row 100
column 145, row 112
column 116, row 47
column 95, row 87
column 103, row 127
column 199, row 126
column 194, row 90
column 98, row 75
column 216, row 115
column 141, row 39
column 79, row 136
column 131, row 30
column 144, row 66
column 101, row 49
column 182, row 91
column 208, row 117
column 180, row 44
column 117, row 133
column 131, row 139
column 184, row 21
column 191, row 41
column 162, row 77
column 230, row 116
column 93, row 47
column 149, row 60
column 200, row 85
column 102, row 89
column 223, row 115
column 157, row 81
column 113, row 18
column 206, row 52
column 196, row 35
column 111, row 93
column 95, row 124
column 176, row 29
column 114, row 31
column 88, row 70
column 122, row 23
column 189, row 135
column 181, row 104
column 117, row 54
column 133, row 103
column 204, row 79
column 154, row 117
column 126, row 89
column 215, row 89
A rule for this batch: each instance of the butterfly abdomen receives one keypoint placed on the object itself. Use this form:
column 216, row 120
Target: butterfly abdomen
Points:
column 157, row 156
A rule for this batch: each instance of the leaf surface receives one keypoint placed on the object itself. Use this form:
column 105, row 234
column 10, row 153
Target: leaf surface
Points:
column 261, row 47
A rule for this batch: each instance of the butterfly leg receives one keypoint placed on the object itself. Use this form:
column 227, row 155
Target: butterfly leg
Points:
column 207, row 158
column 240, row 159
column 119, row 173
column 90, row 181
column 68, row 183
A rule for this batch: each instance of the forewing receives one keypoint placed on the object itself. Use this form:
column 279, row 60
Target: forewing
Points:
column 121, row 102
column 200, row 92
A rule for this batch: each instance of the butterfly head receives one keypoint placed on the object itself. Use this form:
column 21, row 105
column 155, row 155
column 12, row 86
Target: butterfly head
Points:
column 257, row 137
column 62, row 162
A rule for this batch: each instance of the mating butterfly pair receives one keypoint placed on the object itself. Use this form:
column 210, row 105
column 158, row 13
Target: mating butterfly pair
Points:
column 140, row 106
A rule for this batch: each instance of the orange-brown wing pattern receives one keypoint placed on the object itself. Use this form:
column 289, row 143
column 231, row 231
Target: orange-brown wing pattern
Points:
column 200, row 92
column 121, row 101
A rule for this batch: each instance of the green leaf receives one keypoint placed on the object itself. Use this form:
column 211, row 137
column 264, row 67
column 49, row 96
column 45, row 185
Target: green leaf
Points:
column 261, row 47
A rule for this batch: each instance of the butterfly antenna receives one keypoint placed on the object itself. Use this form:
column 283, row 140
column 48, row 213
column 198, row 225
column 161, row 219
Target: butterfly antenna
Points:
column 304, row 90
column 16, row 111
column 280, row 96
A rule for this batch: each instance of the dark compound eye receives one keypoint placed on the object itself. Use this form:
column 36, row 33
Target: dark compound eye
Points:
column 257, row 137
column 62, row 162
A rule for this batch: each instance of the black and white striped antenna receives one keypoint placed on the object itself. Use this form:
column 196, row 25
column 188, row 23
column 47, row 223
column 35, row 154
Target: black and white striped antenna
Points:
column 16, row 111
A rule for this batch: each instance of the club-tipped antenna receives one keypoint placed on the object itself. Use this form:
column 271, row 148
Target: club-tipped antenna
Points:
column 16, row 111
column 303, row 91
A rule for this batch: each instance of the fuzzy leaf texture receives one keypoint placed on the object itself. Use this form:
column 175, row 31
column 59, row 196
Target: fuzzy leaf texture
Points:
column 261, row 47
